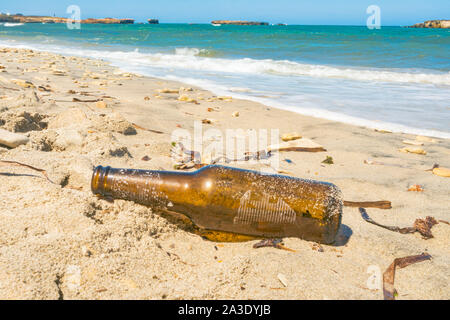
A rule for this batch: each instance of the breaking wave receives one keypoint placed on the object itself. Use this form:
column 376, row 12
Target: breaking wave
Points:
column 10, row 24
column 201, row 60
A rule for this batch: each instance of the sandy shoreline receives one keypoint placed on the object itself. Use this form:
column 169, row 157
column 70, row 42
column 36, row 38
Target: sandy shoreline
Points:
column 58, row 241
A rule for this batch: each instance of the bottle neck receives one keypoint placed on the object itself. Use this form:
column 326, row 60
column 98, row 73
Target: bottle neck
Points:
column 149, row 187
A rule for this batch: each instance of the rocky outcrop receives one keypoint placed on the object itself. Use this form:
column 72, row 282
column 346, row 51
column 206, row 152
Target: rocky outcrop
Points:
column 47, row 19
column 438, row 24
column 240, row 23
column 153, row 21
column 108, row 21
column 31, row 19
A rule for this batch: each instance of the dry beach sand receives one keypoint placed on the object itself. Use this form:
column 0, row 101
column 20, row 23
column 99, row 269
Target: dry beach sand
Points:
column 58, row 241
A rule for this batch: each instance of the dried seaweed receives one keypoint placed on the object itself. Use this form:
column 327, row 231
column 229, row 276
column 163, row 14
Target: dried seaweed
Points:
column 276, row 243
column 389, row 291
column 44, row 173
column 383, row 204
column 423, row 226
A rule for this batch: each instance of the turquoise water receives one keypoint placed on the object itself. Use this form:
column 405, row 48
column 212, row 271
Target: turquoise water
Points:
column 393, row 78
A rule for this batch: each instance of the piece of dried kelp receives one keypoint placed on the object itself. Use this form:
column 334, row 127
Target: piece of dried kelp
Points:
column 383, row 204
column 389, row 291
column 276, row 243
column 423, row 226
column 366, row 217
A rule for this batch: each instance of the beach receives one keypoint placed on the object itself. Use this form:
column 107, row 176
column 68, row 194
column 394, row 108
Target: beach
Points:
column 59, row 241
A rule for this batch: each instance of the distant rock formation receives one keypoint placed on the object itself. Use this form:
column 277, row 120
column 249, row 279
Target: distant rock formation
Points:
column 108, row 21
column 30, row 19
column 46, row 19
column 153, row 21
column 438, row 24
column 240, row 23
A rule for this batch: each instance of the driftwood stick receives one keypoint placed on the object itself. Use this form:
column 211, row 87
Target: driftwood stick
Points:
column 142, row 128
column 89, row 100
column 383, row 204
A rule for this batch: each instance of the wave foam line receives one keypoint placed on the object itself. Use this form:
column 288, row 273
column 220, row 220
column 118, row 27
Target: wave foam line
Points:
column 192, row 59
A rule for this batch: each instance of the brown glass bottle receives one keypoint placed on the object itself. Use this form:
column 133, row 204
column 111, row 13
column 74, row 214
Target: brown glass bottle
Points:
column 224, row 201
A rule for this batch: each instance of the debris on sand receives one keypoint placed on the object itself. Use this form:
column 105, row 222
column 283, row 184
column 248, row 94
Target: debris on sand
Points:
column 389, row 291
column 383, row 131
column 275, row 243
column 442, row 172
column 208, row 121
column 291, row 136
column 415, row 187
column 328, row 160
column 186, row 98
column 166, row 90
column 423, row 226
column 282, row 279
column 23, row 83
column 302, row 144
column 150, row 130
column 415, row 150
column 317, row 247
column 383, row 204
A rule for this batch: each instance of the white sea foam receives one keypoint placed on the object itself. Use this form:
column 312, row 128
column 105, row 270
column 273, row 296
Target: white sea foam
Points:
column 188, row 58
column 189, row 51
column 10, row 24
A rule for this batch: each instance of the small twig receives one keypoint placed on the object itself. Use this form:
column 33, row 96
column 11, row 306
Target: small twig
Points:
column 89, row 100
column 276, row 243
column 142, row 128
column 179, row 259
column 44, row 173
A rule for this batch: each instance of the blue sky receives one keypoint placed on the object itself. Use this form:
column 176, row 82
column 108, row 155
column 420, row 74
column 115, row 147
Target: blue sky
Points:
column 343, row 12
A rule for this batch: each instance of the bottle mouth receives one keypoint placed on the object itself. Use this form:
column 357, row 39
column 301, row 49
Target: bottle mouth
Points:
column 98, row 181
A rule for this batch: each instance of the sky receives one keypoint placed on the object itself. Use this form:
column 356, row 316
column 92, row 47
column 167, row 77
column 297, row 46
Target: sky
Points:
column 315, row 12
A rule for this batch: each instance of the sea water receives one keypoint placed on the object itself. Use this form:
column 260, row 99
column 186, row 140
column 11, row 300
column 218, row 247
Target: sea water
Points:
column 391, row 78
